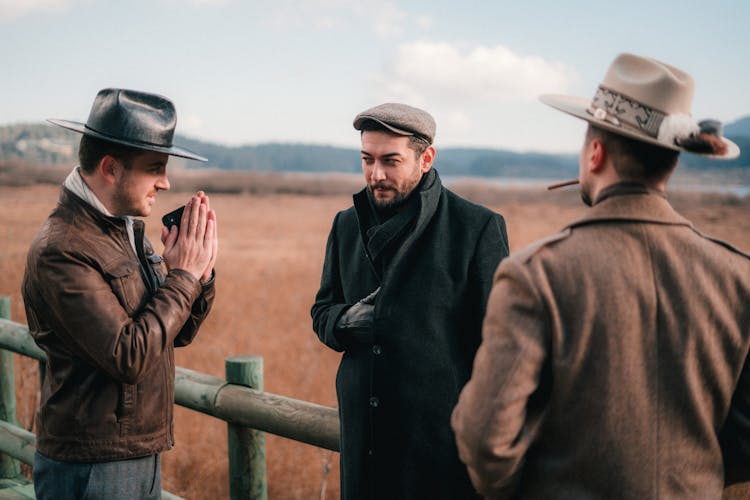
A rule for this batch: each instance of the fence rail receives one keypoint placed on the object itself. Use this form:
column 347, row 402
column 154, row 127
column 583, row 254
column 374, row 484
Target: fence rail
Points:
column 242, row 407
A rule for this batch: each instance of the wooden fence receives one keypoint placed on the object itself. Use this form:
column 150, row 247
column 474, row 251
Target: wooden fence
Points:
column 239, row 400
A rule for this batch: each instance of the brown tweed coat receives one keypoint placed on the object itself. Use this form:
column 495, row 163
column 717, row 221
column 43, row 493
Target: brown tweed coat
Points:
column 612, row 363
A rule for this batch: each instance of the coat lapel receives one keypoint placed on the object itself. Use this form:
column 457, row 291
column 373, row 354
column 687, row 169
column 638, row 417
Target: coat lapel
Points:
column 429, row 197
column 415, row 215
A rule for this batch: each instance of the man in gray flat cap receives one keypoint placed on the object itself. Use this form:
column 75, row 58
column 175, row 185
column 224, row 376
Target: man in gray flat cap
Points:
column 405, row 282
column 100, row 306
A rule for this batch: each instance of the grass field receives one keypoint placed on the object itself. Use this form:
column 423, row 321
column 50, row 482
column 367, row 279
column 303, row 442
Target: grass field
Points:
column 268, row 270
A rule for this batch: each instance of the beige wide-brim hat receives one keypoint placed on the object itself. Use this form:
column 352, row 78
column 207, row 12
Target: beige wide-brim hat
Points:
column 647, row 100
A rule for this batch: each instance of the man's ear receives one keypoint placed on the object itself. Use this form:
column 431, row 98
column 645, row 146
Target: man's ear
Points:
column 427, row 158
column 595, row 156
column 108, row 168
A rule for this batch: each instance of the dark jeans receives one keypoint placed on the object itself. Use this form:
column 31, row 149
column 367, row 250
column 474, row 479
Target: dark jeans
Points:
column 137, row 478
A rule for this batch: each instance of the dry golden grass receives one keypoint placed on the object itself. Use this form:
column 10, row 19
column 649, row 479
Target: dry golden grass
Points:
column 271, row 254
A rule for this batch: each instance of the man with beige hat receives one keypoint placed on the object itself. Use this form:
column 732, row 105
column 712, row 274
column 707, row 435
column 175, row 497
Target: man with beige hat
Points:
column 405, row 281
column 614, row 353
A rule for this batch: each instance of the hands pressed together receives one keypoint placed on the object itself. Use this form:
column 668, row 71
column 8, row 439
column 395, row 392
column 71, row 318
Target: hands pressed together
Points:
column 194, row 246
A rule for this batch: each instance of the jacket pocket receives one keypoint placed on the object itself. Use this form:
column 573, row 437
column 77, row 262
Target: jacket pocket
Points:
column 128, row 404
column 125, row 280
column 155, row 261
column 150, row 412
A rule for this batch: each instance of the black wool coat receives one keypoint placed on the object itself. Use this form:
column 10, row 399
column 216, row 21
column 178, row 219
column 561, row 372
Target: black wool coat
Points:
column 396, row 390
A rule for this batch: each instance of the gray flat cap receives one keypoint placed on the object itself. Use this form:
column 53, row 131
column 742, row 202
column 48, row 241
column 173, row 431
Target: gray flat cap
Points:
column 400, row 119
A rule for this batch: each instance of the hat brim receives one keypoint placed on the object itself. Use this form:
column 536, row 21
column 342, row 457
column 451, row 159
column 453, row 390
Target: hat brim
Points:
column 83, row 129
column 365, row 118
column 578, row 107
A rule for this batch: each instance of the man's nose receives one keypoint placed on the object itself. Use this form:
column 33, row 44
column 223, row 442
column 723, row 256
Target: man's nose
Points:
column 378, row 172
column 163, row 183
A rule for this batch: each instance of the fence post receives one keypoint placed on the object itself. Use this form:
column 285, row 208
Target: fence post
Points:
column 247, row 447
column 9, row 468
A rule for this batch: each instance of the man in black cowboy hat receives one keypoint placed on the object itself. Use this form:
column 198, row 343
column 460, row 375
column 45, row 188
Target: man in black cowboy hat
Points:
column 614, row 360
column 100, row 306
column 405, row 281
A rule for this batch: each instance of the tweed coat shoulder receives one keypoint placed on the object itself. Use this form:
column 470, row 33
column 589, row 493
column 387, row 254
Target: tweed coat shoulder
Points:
column 613, row 362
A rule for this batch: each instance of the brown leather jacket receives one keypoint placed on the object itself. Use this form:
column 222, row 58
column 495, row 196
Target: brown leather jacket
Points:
column 109, row 321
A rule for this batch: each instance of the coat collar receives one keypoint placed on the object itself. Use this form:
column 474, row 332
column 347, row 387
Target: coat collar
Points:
column 422, row 206
column 74, row 202
column 644, row 206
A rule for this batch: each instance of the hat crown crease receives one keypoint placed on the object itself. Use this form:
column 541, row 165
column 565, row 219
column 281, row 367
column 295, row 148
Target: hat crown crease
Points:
column 652, row 83
column 137, row 117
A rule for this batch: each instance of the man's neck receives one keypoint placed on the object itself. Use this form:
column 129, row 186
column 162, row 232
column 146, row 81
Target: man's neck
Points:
column 608, row 176
column 100, row 192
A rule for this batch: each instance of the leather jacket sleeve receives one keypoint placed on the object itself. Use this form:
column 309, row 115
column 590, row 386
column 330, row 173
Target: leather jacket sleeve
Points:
column 199, row 311
column 98, row 311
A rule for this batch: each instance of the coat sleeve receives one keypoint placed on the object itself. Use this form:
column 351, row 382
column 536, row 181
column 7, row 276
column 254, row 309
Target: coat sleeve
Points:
column 494, row 421
column 735, row 434
column 198, row 312
column 83, row 309
column 491, row 249
column 329, row 301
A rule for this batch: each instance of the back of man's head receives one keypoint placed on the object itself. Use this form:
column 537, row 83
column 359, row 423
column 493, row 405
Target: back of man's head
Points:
column 635, row 160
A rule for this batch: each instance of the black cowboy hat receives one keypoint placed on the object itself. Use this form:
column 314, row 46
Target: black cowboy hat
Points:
column 133, row 118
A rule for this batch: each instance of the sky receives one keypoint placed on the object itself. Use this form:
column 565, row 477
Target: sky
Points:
column 298, row 71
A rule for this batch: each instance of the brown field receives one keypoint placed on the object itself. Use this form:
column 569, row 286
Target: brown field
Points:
column 271, row 252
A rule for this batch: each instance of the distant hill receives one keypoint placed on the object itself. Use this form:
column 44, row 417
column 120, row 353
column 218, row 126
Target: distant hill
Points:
column 43, row 143
column 275, row 157
column 739, row 132
column 739, row 128
column 38, row 143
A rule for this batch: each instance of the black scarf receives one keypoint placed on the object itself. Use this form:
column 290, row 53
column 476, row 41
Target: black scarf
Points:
column 383, row 231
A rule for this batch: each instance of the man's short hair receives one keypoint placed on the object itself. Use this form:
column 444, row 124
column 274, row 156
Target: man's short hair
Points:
column 416, row 143
column 91, row 151
column 633, row 159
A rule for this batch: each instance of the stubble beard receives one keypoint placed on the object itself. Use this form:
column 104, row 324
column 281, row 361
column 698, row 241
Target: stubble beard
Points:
column 399, row 197
column 127, row 204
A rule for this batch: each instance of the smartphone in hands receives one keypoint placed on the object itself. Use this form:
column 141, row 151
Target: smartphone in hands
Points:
column 173, row 218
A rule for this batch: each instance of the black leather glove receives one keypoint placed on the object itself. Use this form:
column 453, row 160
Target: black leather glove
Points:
column 356, row 322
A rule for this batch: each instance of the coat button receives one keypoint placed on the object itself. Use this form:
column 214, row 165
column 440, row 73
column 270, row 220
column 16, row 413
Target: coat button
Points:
column 374, row 402
column 376, row 349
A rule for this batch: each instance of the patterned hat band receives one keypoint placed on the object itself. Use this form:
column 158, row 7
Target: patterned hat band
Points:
column 622, row 111
column 623, row 105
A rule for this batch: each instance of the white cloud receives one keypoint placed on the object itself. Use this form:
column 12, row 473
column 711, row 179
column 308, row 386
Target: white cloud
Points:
column 191, row 124
column 387, row 19
column 479, row 95
column 459, row 120
column 424, row 21
column 453, row 73
column 384, row 18
column 208, row 2
column 13, row 9
column 326, row 22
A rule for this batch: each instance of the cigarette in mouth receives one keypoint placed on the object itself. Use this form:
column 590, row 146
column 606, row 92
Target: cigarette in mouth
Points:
column 563, row 184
